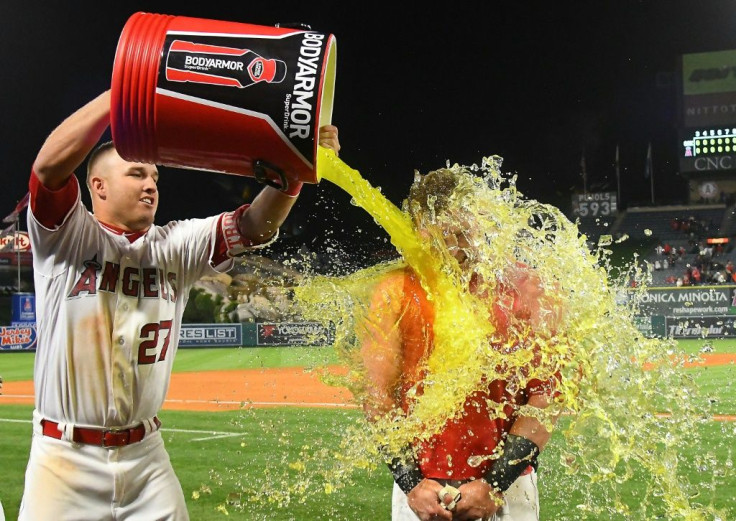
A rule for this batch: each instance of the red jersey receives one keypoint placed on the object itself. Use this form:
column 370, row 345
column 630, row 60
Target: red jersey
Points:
column 476, row 433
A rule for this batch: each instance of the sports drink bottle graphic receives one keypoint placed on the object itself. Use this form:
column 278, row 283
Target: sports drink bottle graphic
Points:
column 217, row 65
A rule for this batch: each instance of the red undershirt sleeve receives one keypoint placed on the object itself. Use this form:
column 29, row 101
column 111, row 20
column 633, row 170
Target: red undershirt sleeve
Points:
column 50, row 207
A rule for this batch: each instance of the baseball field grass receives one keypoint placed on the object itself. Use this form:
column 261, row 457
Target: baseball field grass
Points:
column 237, row 463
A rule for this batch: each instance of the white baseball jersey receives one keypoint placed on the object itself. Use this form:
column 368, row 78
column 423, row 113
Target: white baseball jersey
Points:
column 109, row 310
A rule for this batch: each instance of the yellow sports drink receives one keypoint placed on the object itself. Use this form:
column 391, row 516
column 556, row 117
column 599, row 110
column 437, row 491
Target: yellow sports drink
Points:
column 594, row 346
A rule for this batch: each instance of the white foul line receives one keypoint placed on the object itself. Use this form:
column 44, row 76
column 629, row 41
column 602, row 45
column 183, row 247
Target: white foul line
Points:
column 215, row 434
column 248, row 403
column 242, row 403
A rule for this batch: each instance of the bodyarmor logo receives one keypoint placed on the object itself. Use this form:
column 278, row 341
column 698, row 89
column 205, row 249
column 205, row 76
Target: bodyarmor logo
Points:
column 135, row 282
column 300, row 116
column 217, row 65
column 192, row 62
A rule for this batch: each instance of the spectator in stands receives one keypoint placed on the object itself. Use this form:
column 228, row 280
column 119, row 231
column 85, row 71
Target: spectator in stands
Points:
column 667, row 249
column 687, row 277
column 659, row 250
column 657, row 265
column 696, row 275
column 665, row 264
column 729, row 267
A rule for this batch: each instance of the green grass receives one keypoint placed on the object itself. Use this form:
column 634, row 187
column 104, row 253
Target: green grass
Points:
column 17, row 366
column 256, row 458
column 263, row 440
column 695, row 346
column 252, row 358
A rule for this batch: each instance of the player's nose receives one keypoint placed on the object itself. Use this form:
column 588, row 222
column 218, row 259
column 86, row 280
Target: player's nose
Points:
column 149, row 185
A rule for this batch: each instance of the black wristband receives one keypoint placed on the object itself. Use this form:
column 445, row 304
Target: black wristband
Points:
column 518, row 454
column 407, row 474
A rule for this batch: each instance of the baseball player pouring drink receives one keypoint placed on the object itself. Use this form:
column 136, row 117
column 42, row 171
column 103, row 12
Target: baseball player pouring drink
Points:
column 111, row 289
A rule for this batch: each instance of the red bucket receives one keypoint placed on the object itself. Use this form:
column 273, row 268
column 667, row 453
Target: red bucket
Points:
column 223, row 96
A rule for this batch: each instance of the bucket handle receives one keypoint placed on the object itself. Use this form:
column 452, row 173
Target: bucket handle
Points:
column 294, row 25
column 260, row 168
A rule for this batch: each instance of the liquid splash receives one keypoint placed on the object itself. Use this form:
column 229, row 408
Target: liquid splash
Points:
column 614, row 431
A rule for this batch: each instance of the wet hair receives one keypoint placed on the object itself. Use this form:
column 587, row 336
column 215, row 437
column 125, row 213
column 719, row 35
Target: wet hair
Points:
column 95, row 156
column 431, row 194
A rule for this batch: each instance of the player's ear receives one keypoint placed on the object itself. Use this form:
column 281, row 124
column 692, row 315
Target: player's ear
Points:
column 98, row 187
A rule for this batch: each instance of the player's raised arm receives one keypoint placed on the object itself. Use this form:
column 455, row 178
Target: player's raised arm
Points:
column 271, row 207
column 70, row 142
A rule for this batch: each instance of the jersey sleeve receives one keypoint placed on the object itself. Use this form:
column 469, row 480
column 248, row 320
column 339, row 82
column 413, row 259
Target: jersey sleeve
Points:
column 51, row 207
column 58, row 224
column 229, row 240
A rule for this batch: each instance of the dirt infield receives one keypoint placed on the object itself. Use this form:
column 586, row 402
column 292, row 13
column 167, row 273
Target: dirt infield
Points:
column 234, row 389
column 228, row 390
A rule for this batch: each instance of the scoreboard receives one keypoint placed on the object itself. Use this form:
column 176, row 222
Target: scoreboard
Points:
column 707, row 124
column 594, row 205
column 708, row 149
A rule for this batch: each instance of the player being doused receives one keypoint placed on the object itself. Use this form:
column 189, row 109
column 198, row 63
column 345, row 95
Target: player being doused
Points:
column 485, row 449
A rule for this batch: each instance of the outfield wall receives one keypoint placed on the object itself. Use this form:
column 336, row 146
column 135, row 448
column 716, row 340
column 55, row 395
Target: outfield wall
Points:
column 687, row 312
column 22, row 336
column 258, row 334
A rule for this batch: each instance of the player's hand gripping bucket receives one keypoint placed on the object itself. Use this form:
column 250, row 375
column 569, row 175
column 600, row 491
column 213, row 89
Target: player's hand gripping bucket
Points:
column 229, row 97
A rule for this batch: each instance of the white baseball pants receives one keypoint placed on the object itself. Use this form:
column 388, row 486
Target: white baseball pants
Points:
column 521, row 502
column 77, row 482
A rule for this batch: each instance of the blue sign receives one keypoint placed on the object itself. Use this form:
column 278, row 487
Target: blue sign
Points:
column 18, row 337
column 24, row 307
column 215, row 335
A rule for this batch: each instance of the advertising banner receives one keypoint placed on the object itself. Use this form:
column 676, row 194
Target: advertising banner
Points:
column 688, row 301
column 709, row 72
column 709, row 89
column 700, row 327
column 24, row 307
column 18, row 337
column 687, row 312
column 211, row 335
column 15, row 242
column 295, row 334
